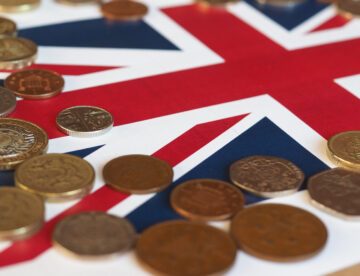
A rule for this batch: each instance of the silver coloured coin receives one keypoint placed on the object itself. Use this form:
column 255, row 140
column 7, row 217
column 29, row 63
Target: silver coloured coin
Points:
column 7, row 102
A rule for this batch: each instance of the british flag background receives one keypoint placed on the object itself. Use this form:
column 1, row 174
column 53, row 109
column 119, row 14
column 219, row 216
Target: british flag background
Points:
column 200, row 87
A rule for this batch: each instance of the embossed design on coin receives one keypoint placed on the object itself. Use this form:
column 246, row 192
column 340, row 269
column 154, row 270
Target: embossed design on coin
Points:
column 207, row 199
column 7, row 102
column 21, row 214
column 349, row 8
column 16, row 52
column 124, row 10
column 182, row 248
column 266, row 176
column 7, row 27
column 84, row 121
column 18, row 5
column 94, row 234
column 278, row 232
column 56, row 177
column 138, row 174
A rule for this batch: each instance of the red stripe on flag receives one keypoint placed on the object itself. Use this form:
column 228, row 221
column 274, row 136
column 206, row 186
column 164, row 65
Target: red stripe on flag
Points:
column 335, row 22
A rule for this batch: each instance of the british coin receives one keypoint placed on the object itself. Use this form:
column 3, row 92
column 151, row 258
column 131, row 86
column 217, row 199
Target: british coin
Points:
column 217, row 2
column 78, row 2
column 20, row 140
column 266, row 176
column 278, row 232
column 35, row 84
column 281, row 3
column 18, row 5
column 207, row 199
column 84, row 121
column 56, row 177
column 22, row 214
column 7, row 27
column 182, row 248
column 7, row 102
column 349, row 8
column 138, row 174
column 124, row 10
column 16, row 53
column 93, row 235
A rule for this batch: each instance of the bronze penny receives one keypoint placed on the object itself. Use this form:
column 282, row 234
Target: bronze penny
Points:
column 336, row 191
column 124, row 10
column 138, row 174
column 278, row 232
column 35, row 84
column 349, row 8
column 207, row 199
column 93, row 235
column 183, row 248
column 266, row 176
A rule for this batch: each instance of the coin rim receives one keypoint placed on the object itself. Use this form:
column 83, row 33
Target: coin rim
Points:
column 14, row 32
column 19, row 8
column 123, row 18
column 345, row 13
column 73, row 4
column 12, row 108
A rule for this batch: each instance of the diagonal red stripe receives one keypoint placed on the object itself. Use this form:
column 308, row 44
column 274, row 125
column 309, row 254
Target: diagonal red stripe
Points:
column 335, row 22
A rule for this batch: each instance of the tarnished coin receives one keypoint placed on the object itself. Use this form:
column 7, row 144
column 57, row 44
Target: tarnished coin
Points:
column 7, row 102
column 266, row 176
column 138, row 174
column 18, row 5
column 280, row 3
column 84, row 121
column 207, row 199
column 182, row 248
column 278, row 232
column 7, row 27
column 124, row 10
column 16, row 52
column 56, row 177
column 349, row 8
column 20, row 140
column 217, row 2
column 22, row 214
column 93, row 235
column 78, row 2
column 35, row 84
column 336, row 191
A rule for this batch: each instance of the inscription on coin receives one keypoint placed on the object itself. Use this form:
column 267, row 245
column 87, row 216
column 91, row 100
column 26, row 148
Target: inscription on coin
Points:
column 7, row 102
column 124, row 10
column 7, row 27
column 16, row 52
column 18, row 5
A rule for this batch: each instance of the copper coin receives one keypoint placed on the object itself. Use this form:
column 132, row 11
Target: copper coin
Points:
column 124, row 10
column 35, row 84
column 138, row 174
column 266, row 176
column 278, row 232
column 185, row 248
column 207, row 199
column 349, row 8
column 93, row 234
column 336, row 191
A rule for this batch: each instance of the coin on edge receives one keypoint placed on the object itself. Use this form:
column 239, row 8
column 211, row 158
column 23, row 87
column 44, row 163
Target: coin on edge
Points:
column 20, row 140
column 18, row 5
column 7, row 27
column 56, row 177
column 84, row 121
column 124, row 10
column 138, row 174
column 93, row 235
column 7, row 102
column 182, row 248
column 349, row 8
column 281, row 3
column 278, row 232
column 217, row 2
column 35, row 84
column 78, row 2
column 207, row 199
column 22, row 214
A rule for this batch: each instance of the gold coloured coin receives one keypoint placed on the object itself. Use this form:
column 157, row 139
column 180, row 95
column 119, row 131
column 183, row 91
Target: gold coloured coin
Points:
column 216, row 2
column 281, row 3
column 18, row 5
column 78, row 2
column 20, row 140
column 22, row 214
column 7, row 27
column 349, row 8
column 56, row 177
column 7, row 102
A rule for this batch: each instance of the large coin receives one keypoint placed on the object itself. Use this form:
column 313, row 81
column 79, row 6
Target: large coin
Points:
column 349, row 8
column 56, row 177
column 20, row 140
column 7, row 102
column 93, row 234
column 336, row 191
column 182, row 248
column 84, row 121
column 35, row 84
column 22, row 214
column 207, row 199
column 7, row 27
column 124, row 10
column 266, row 176
column 278, row 232
column 18, row 5
column 138, row 174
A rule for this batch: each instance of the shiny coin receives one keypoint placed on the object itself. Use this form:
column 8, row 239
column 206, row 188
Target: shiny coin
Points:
column 22, row 214
column 281, row 3
column 93, row 235
column 35, row 84
column 84, row 121
column 78, row 2
column 124, row 10
column 56, row 177
column 7, row 27
column 278, row 232
column 18, row 5
column 266, row 176
column 207, row 199
column 20, row 140
column 7, row 102
column 349, row 8
column 182, row 248
column 138, row 174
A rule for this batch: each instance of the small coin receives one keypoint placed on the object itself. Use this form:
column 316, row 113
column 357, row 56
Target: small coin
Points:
column 281, row 3
column 35, row 84
column 7, row 27
column 217, row 2
column 266, row 176
column 207, row 199
column 349, row 8
column 93, row 235
column 18, row 5
column 22, row 214
column 7, row 102
column 278, row 232
column 78, row 2
column 138, row 174
column 20, row 140
column 182, row 248
column 84, row 121
column 124, row 10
